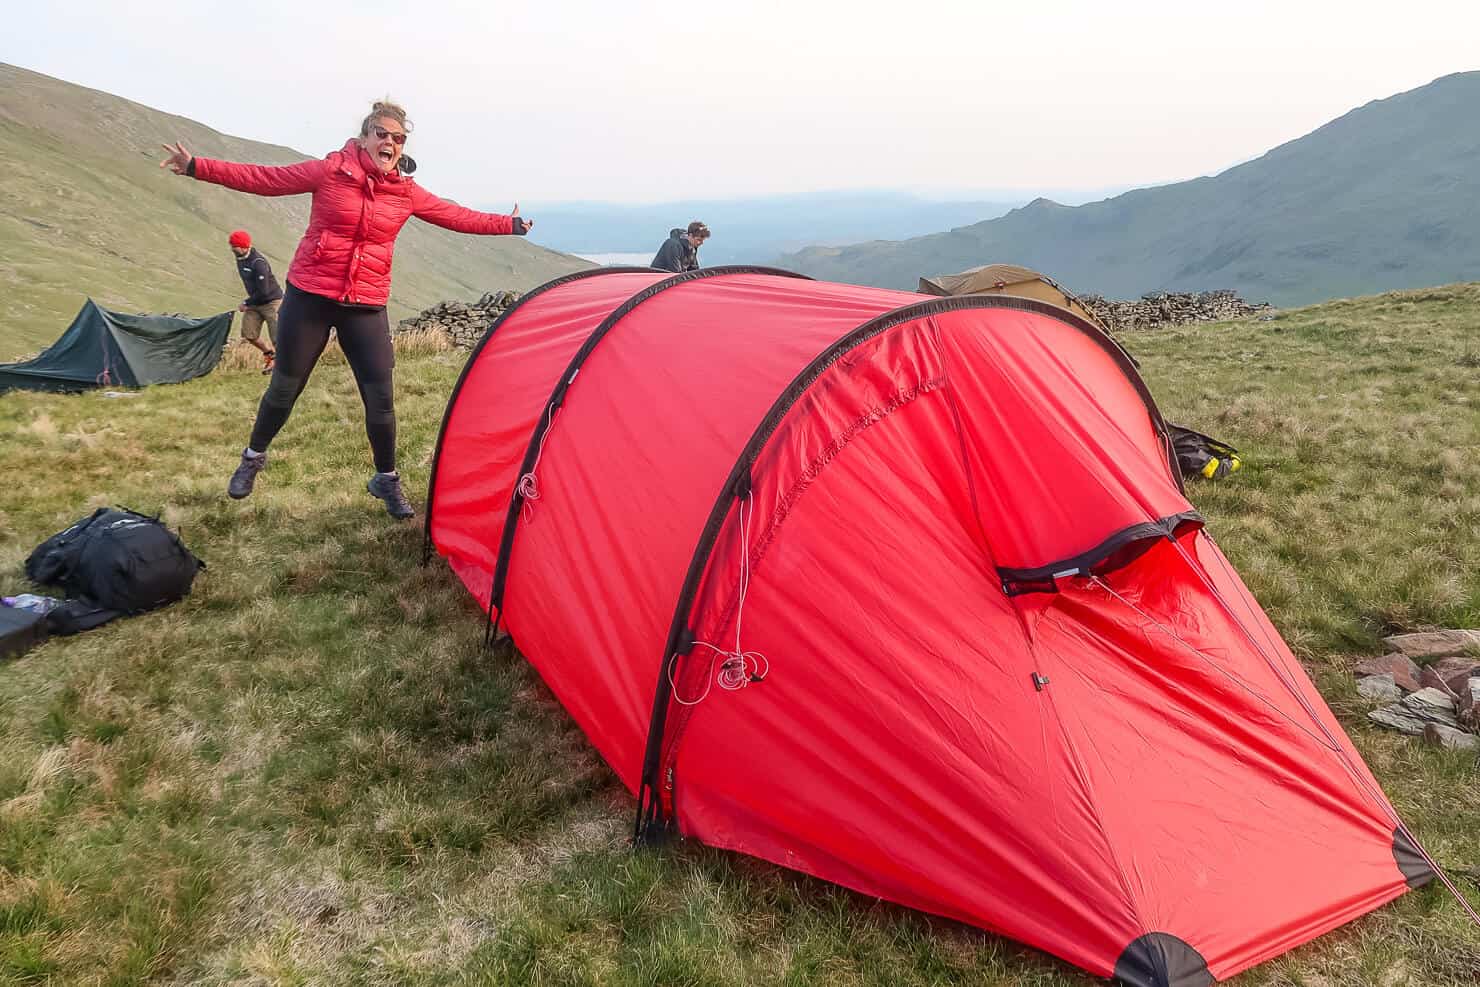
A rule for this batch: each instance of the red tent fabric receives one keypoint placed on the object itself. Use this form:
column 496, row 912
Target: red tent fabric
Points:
column 906, row 594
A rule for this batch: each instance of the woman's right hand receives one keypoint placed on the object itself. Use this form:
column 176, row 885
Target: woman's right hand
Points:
column 521, row 225
column 179, row 158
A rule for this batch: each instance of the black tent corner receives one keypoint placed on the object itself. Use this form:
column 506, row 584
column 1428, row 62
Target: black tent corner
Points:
column 1159, row 959
column 112, row 349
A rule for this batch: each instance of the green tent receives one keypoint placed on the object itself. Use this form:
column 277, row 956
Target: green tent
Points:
column 110, row 349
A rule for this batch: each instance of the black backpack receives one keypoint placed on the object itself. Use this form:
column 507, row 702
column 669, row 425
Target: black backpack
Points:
column 116, row 560
column 1202, row 455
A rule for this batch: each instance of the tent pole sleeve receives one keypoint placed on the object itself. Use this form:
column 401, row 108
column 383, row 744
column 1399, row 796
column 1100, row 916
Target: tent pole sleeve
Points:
column 738, row 483
column 557, row 397
column 473, row 359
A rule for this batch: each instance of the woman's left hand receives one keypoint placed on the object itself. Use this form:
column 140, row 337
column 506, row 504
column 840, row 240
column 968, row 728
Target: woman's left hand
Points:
column 528, row 223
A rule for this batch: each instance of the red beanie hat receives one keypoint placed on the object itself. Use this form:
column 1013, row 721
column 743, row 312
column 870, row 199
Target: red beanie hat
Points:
column 240, row 238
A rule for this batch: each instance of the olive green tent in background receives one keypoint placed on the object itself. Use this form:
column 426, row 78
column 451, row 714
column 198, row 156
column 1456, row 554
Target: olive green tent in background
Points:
column 1006, row 279
column 111, row 349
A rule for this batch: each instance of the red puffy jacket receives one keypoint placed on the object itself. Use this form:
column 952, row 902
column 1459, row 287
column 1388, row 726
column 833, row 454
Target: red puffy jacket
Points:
column 357, row 211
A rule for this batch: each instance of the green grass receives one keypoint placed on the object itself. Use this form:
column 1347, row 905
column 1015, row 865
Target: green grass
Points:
column 309, row 772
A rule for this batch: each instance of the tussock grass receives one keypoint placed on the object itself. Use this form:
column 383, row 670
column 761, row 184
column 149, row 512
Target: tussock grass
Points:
column 310, row 773
column 240, row 356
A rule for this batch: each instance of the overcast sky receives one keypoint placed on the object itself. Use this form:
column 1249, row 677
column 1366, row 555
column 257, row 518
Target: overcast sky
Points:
column 639, row 101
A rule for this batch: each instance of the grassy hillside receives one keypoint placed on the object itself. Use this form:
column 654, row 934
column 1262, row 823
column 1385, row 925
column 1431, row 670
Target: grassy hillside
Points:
column 84, row 210
column 1387, row 196
column 309, row 772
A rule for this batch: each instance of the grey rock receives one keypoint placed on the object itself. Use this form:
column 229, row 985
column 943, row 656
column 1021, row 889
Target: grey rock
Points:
column 1379, row 688
column 1398, row 717
column 1467, row 708
column 1449, row 737
column 1435, row 704
column 1417, row 711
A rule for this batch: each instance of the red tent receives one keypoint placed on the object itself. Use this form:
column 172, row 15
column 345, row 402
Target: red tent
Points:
column 905, row 594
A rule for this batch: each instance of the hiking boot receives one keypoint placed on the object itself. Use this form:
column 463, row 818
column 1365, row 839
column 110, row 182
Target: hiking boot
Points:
column 267, row 361
column 245, row 475
column 387, row 486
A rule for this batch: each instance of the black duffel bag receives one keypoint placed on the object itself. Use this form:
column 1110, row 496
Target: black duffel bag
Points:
column 116, row 560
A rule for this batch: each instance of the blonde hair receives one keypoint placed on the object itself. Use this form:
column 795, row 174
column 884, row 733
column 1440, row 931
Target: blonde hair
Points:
column 385, row 108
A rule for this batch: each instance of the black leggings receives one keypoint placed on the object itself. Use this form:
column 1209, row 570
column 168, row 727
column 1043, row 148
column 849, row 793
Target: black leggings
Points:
column 364, row 336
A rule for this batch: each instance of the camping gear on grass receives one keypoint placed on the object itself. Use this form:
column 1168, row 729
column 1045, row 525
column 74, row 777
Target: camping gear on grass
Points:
column 1202, row 455
column 30, row 601
column 111, row 349
column 20, row 630
column 906, row 594
column 112, row 563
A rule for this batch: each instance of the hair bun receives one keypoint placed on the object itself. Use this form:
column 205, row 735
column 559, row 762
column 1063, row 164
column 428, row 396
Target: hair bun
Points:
column 385, row 108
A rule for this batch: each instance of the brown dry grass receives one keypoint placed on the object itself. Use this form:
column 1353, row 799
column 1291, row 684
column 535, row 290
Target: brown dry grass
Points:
column 243, row 357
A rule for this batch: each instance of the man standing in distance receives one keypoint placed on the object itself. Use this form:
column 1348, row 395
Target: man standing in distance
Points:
column 264, row 297
column 680, row 252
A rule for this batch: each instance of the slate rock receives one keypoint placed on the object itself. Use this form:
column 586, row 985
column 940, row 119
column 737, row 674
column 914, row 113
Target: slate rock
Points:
column 1434, row 644
column 1396, row 716
column 1417, row 711
column 1399, row 666
column 1435, row 704
column 1430, row 679
column 1456, row 671
column 1467, row 708
column 1379, row 688
column 1449, row 737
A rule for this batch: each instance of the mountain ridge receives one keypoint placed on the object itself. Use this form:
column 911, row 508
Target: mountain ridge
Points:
column 1383, row 197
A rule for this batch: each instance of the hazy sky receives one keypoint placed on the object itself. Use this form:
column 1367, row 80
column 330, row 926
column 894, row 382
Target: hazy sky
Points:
column 639, row 101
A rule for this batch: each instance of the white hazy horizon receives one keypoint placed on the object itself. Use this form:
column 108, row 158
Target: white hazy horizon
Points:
column 650, row 102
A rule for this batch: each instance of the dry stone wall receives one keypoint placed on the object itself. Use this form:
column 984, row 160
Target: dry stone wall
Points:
column 463, row 322
column 1169, row 309
column 466, row 322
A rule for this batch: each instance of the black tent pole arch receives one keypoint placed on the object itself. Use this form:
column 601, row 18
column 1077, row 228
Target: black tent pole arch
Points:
column 557, row 397
column 590, row 272
column 651, row 823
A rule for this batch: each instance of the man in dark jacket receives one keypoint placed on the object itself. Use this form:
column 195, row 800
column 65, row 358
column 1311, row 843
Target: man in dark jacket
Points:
column 680, row 252
column 263, row 296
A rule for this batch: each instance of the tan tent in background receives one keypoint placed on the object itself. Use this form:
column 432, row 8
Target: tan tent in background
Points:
column 1197, row 454
column 1006, row 279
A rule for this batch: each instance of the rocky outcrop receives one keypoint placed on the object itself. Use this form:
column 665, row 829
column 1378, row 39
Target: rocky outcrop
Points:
column 1439, row 701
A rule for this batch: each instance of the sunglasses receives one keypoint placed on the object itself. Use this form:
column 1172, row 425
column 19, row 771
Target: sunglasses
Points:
column 381, row 134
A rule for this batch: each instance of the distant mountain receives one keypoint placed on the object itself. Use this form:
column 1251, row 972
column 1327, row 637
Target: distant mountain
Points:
column 1385, row 197
column 84, row 210
column 754, row 229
